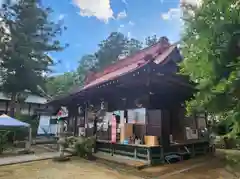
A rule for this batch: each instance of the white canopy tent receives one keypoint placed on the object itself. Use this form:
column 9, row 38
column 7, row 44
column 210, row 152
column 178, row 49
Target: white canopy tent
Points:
column 7, row 121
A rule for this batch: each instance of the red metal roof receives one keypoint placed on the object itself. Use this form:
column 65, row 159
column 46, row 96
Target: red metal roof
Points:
column 129, row 64
column 132, row 63
column 116, row 73
column 152, row 50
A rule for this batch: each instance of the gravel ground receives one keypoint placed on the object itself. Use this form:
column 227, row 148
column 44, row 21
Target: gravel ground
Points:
column 81, row 169
column 51, row 170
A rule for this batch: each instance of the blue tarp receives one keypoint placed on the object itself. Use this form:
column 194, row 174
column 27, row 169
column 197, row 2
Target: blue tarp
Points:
column 7, row 121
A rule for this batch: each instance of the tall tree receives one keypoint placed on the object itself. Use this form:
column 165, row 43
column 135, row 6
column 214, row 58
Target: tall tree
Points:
column 133, row 45
column 116, row 45
column 86, row 64
column 61, row 84
column 24, row 47
column 211, row 48
column 151, row 40
column 110, row 49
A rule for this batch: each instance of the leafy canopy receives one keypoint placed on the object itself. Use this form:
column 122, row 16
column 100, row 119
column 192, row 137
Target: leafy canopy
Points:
column 27, row 36
column 211, row 49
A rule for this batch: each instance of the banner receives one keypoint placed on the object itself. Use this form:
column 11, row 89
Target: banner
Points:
column 114, row 129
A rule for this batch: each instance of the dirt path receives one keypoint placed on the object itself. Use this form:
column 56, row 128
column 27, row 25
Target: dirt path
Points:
column 51, row 170
column 76, row 169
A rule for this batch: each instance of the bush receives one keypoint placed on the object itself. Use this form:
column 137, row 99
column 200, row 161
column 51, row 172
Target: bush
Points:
column 84, row 146
column 70, row 142
column 4, row 144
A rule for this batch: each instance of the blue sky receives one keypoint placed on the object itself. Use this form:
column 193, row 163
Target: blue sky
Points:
column 90, row 21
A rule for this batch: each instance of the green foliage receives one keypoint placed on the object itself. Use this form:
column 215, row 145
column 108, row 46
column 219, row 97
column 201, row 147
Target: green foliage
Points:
column 71, row 141
column 27, row 37
column 60, row 84
column 84, row 146
column 224, row 127
column 211, row 49
column 4, row 143
column 151, row 40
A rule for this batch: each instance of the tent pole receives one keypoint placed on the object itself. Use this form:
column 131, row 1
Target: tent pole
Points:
column 30, row 135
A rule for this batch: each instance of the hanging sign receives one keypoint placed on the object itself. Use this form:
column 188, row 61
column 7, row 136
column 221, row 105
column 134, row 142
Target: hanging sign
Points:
column 62, row 113
column 114, row 129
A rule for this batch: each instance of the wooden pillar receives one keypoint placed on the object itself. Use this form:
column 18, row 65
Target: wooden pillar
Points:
column 6, row 109
column 86, row 117
column 165, row 122
column 29, row 109
column 149, row 155
column 74, row 115
column 148, row 84
column 135, row 152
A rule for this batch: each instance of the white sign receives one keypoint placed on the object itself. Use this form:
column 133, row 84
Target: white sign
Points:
column 62, row 113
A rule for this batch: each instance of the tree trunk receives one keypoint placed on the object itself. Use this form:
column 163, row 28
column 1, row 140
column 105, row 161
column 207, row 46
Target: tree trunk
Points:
column 12, row 104
column 18, row 107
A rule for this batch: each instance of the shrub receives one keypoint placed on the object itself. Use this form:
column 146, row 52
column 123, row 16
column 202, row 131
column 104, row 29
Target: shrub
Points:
column 84, row 146
column 4, row 144
column 70, row 142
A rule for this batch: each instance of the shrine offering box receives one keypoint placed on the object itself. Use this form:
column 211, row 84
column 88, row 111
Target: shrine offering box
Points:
column 151, row 140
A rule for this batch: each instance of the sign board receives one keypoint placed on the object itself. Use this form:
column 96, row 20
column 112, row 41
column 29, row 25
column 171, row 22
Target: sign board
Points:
column 81, row 131
column 62, row 113
column 114, row 129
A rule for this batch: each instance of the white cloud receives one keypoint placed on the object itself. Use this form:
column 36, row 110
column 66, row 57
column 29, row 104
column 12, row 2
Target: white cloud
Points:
column 120, row 28
column 131, row 23
column 124, row 2
column 61, row 16
column 101, row 9
column 122, row 15
column 173, row 13
column 176, row 13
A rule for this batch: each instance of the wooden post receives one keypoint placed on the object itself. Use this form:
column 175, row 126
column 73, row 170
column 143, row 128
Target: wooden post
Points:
column 86, row 118
column 135, row 152
column 6, row 109
column 30, row 135
column 112, row 149
column 193, row 151
column 162, row 155
column 149, row 155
